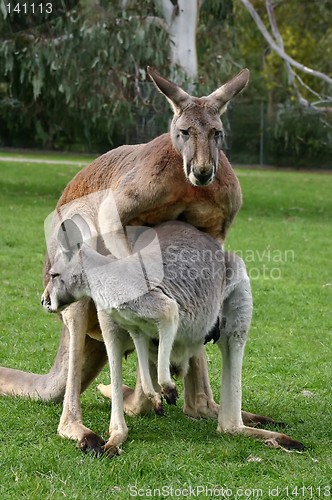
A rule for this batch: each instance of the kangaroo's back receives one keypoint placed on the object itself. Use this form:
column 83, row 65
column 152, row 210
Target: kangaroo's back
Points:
column 110, row 170
column 194, row 276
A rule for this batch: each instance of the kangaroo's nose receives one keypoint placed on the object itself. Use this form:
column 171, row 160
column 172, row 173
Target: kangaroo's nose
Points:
column 203, row 179
column 46, row 302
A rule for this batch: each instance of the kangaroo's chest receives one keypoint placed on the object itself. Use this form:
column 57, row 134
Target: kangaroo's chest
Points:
column 161, row 213
column 204, row 210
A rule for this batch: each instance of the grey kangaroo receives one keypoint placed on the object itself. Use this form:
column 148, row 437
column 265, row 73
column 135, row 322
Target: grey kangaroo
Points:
column 179, row 312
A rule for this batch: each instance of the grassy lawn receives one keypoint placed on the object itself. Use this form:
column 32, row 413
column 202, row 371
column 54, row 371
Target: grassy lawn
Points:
column 284, row 232
column 48, row 157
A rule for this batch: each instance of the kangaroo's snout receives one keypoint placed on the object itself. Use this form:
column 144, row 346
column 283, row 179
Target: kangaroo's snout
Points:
column 202, row 176
column 46, row 302
column 203, row 179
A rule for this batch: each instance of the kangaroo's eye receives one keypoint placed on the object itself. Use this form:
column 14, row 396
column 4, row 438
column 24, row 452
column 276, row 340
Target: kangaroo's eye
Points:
column 184, row 132
column 218, row 134
column 54, row 275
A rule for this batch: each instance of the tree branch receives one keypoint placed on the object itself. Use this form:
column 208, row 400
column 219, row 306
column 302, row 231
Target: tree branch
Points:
column 292, row 75
column 309, row 89
column 280, row 42
column 260, row 25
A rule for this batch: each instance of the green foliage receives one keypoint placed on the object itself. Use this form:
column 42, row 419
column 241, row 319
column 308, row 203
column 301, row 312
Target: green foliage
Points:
column 288, row 352
column 77, row 79
column 215, row 43
column 294, row 136
column 302, row 136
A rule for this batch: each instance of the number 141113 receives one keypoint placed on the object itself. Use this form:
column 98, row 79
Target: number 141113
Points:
column 30, row 8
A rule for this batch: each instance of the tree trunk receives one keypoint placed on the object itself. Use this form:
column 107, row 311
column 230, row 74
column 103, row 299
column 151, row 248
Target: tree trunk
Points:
column 182, row 20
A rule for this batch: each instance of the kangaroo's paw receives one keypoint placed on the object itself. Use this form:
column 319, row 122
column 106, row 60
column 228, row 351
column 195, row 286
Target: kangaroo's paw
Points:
column 118, row 435
column 170, row 393
column 92, row 443
column 160, row 411
column 156, row 402
column 111, row 450
column 86, row 439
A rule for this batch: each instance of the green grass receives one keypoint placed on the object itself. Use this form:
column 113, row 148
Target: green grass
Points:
column 284, row 231
column 54, row 156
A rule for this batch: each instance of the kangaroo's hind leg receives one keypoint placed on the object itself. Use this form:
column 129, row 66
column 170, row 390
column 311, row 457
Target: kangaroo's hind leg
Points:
column 115, row 338
column 235, row 323
column 198, row 398
column 199, row 401
column 71, row 426
column 160, row 312
column 142, row 342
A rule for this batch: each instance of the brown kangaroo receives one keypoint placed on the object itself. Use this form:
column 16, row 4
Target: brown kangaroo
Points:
column 180, row 175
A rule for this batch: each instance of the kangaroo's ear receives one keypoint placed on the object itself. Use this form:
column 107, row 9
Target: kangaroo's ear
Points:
column 220, row 97
column 69, row 238
column 177, row 97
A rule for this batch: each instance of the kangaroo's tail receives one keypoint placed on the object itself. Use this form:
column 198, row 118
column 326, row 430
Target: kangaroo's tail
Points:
column 51, row 386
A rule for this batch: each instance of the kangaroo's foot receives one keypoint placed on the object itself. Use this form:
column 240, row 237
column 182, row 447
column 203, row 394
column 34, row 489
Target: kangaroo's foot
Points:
column 91, row 443
column 170, row 393
column 87, row 440
column 201, row 407
column 272, row 439
column 134, row 402
column 257, row 420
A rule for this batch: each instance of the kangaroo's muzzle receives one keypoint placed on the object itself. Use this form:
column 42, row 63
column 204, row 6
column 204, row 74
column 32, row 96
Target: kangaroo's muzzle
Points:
column 202, row 176
column 46, row 302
